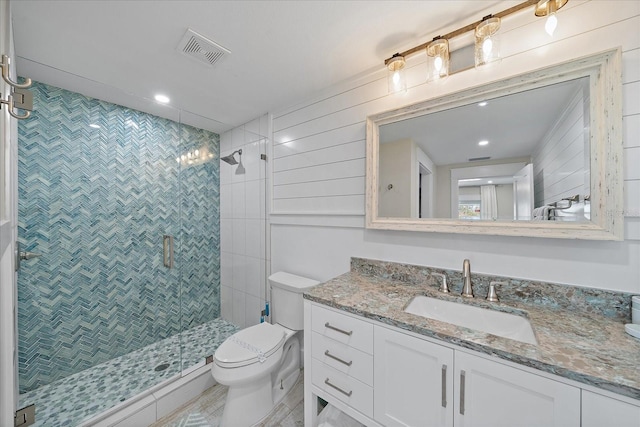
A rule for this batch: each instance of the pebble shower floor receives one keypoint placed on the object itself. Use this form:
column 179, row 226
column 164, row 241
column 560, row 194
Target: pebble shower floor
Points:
column 81, row 396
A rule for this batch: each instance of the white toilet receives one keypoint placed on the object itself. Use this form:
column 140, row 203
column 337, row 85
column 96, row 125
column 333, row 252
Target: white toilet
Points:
column 261, row 363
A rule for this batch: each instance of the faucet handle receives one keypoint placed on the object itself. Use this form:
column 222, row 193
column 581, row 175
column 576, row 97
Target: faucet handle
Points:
column 492, row 295
column 444, row 287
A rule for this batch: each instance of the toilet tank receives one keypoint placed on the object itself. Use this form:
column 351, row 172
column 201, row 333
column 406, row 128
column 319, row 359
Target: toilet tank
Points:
column 286, row 299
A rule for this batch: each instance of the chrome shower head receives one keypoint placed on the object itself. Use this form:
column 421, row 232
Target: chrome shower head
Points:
column 230, row 158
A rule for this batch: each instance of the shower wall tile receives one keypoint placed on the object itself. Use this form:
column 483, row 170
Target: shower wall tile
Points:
column 226, row 302
column 96, row 202
column 244, row 255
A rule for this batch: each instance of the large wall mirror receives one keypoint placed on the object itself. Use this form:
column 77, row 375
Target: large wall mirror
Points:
column 538, row 154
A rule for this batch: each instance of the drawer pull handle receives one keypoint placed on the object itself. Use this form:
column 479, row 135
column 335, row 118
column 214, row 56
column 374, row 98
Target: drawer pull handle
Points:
column 444, row 386
column 342, row 331
column 462, row 381
column 348, row 394
column 326, row 353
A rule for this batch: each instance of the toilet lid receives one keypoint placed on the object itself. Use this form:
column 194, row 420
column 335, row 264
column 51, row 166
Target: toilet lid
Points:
column 250, row 345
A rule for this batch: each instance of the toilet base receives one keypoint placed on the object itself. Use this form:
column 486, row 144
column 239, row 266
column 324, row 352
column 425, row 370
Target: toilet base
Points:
column 248, row 403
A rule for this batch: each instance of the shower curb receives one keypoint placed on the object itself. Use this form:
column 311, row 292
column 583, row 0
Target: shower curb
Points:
column 151, row 405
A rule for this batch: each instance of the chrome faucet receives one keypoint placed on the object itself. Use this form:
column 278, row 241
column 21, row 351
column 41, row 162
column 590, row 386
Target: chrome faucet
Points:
column 467, row 288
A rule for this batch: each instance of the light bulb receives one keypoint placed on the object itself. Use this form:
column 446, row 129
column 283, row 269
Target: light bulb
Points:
column 437, row 63
column 197, row 152
column 551, row 24
column 487, row 46
column 396, row 78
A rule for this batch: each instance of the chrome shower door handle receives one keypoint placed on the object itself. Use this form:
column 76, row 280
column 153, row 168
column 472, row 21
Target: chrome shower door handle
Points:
column 167, row 250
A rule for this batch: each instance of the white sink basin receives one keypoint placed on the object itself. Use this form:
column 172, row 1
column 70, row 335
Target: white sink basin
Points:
column 493, row 322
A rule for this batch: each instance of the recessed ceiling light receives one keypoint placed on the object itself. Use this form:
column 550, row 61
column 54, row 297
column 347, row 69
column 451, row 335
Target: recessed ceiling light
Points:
column 482, row 104
column 483, row 142
column 162, row 98
column 95, row 126
column 490, row 182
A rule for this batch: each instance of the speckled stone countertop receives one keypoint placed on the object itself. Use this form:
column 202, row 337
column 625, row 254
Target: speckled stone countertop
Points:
column 582, row 339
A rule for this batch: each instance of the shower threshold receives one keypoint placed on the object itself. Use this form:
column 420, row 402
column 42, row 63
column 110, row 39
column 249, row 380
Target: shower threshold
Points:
column 83, row 396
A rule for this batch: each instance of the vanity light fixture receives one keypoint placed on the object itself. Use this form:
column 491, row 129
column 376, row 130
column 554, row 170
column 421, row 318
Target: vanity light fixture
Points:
column 438, row 59
column 396, row 77
column 486, row 28
column 487, row 40
column 549, row 8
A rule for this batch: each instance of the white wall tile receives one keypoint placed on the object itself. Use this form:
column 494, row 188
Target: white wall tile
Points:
column 226, row 303
column 226, row 201
column 253, row 308
column 226, row 235
column 252, row 131
column 226, row 142
column 239, row 236
column 239, row 298
column 238, row 202
column 226, row 170
column 237, row 137
column 239, row 272
column 252, row 276
column 253, row 201
column 254, row 238
column 226, row 268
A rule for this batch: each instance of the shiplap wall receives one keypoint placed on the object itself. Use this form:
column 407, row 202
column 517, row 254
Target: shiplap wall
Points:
column 318, row 162
column 560, row 167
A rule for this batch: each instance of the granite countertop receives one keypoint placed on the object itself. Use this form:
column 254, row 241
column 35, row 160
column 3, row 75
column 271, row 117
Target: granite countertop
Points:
column 586, row 347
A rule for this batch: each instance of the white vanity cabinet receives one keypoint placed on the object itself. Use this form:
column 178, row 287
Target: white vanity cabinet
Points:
column 599, row 410
column 492, row 394
column 413, row 380
column 384, row 376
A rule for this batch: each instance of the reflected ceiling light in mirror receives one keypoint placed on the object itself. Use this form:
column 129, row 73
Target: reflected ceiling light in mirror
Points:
column 487, row 42
column 396, row 76
column 549, row 8
column 483, row 143
column 438, row 59
column 95, row 126
column 482, row 104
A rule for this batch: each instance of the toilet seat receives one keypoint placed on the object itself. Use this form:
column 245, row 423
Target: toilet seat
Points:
column 251, row 345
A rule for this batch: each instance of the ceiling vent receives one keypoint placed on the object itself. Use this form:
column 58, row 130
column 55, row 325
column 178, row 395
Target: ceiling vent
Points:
column 477, row 159
column 201, row 48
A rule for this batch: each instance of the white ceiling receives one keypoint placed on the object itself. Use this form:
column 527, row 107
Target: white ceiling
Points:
column 514, row 125
column 281, row 51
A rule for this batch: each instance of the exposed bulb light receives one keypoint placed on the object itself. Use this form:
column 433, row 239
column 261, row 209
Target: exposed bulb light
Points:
column 483, row 143
column 551, row 24
column 164, row 99
column 487, row 48
column 549, row 8
column 438, row 59
column 397, row 81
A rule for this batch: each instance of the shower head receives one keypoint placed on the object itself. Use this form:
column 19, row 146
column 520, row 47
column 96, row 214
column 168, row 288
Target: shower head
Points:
column 230, row 158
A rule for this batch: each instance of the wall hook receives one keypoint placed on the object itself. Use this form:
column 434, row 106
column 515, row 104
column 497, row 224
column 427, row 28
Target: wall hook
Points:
column 5, row 75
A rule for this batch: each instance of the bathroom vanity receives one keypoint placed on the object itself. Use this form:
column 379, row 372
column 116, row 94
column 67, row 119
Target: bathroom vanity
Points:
column 386, row 367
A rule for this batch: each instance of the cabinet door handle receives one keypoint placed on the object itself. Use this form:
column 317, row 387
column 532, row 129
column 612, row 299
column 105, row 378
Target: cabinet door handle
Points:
column 348, row 394
column 462, row 377
column 342, row 331
column 444, row 386
column 344, row 362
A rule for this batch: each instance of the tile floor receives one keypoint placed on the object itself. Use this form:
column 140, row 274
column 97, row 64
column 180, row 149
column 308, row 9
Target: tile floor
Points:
column 81, row 396
column 206, row 410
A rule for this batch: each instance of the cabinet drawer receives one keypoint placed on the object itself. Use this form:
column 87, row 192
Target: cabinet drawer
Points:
column 346, row 389
column 346, row 359
column 344, row 329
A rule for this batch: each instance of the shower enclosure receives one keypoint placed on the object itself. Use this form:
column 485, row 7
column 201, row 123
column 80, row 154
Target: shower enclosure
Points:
column 123, row 207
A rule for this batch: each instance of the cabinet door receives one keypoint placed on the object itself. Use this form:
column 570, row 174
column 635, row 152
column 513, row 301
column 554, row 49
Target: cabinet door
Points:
column 494, row 395
column 598, row 411
column 413, row 381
